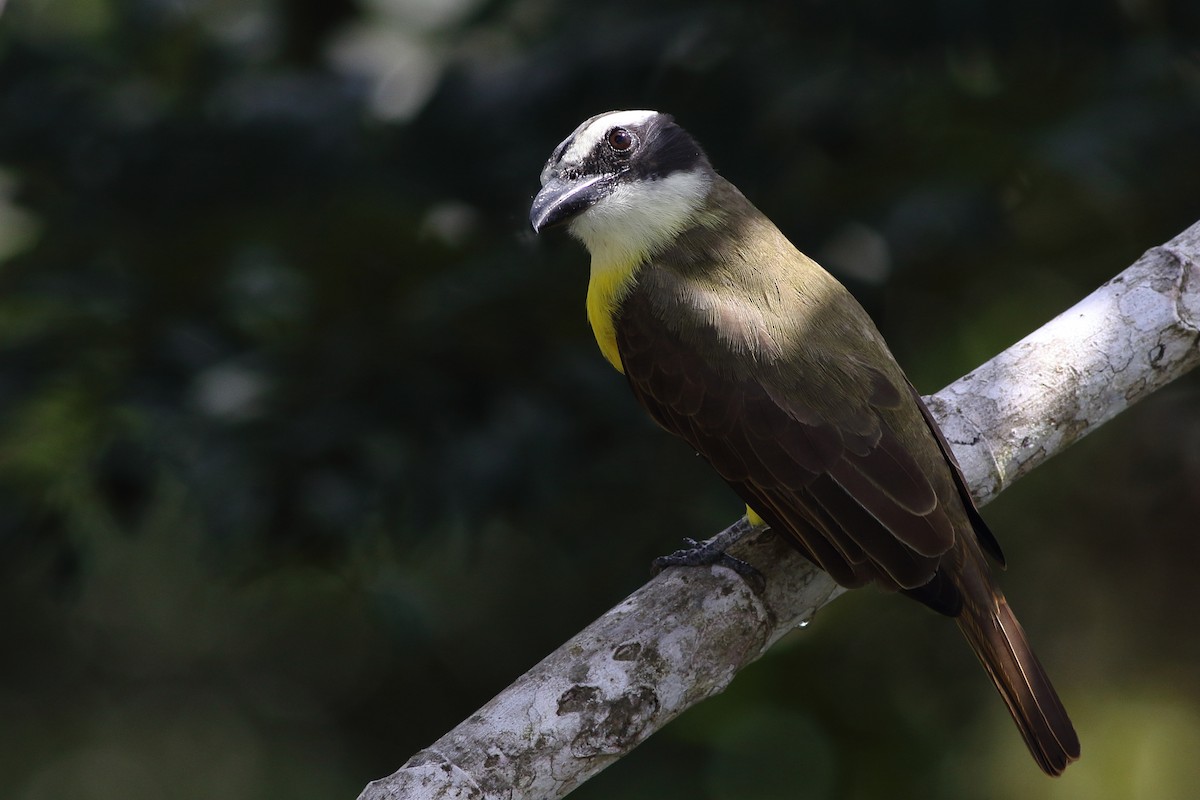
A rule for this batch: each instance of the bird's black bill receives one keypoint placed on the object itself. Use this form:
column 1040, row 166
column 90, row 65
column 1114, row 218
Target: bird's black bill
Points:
column 560, row 200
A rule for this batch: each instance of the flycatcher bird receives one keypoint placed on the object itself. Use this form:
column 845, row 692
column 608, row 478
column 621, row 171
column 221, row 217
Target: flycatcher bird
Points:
column 745, row 348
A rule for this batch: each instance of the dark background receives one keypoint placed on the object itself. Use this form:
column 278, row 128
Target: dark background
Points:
column 306, row 450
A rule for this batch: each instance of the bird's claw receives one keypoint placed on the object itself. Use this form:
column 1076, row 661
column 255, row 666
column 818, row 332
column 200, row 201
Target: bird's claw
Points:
column 710, row 553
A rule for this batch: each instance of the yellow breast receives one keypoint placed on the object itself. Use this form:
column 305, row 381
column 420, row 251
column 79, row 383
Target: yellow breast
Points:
column 608, row 286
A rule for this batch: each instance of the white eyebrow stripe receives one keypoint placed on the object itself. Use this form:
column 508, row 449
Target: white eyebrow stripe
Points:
column 587, row 138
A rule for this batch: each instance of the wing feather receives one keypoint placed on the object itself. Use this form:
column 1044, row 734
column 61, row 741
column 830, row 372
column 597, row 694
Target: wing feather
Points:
column 816, row 534
column 841, row 485
column 904, row 567
column 982, row 532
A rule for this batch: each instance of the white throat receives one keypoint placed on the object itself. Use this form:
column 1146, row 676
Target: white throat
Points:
column 640, row 218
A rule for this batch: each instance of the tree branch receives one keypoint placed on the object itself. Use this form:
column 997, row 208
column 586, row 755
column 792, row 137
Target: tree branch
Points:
column 684, row 635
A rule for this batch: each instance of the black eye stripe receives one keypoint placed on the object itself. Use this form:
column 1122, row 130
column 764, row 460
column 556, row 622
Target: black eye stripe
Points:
column 667, row 149
column 657, row 150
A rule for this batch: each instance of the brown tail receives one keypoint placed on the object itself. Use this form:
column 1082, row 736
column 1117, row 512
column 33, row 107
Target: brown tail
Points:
column 999, row 641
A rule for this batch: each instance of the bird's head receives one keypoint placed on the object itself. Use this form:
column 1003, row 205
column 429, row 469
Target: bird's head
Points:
column 624, row 183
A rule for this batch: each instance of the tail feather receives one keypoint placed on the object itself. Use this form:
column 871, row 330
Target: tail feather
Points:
column 1000, row 643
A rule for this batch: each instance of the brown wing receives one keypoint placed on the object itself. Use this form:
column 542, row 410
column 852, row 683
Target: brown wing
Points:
column 847, row 491
column 982, row 532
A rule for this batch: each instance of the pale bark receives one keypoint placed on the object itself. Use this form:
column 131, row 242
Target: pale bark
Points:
column 684, row 635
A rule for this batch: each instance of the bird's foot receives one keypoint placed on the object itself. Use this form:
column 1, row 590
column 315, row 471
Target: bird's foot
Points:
column 712, row 552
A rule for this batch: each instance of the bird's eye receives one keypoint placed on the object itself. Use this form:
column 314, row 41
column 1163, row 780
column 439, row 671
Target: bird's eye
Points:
column 620, row 140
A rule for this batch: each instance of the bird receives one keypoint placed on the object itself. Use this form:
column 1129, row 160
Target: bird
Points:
column 744, row 347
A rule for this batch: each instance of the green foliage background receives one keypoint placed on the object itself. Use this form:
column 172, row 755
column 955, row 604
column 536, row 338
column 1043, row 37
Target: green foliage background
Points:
column 306, row 451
